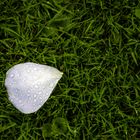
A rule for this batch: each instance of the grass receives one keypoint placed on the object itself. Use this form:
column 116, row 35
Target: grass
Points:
column 96, row 44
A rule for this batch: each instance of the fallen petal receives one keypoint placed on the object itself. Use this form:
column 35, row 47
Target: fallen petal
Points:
column 29, row 85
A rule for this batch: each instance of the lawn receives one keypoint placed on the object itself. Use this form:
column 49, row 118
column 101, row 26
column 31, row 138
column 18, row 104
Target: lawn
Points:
column 96, row 44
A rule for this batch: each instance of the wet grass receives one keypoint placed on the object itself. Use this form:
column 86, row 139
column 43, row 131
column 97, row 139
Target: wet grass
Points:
column 96, row 44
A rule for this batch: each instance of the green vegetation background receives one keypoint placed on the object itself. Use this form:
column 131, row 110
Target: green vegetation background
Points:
column 96, row 43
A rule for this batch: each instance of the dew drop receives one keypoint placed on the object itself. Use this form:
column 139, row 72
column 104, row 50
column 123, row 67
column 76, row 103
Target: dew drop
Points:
column 28, row 91
column 28, row 95
column 36, row 86
column 35, row 69
column 17, row 75
column 16, row 90
column 12, row 75
column 28, row 70
column 11, row 99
